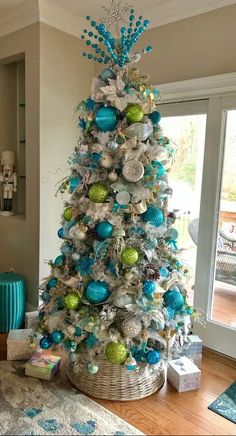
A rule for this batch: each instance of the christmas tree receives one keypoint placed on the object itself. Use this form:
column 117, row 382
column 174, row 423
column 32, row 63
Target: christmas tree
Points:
column 117, row 290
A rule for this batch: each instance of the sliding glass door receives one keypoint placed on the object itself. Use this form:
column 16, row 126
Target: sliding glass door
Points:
column 203, row 179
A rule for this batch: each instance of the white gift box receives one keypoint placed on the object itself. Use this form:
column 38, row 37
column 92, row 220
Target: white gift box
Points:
column 30, row 319
column 183, row 374
column 18, row 347
column 193, row 349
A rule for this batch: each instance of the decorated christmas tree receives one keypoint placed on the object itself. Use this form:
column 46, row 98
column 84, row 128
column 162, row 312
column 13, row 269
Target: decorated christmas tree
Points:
column 117, row 289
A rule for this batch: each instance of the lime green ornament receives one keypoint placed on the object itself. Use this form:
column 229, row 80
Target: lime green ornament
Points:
column 116, row 352
column 98, row 193
column 68, row 213
column 134, row 113
column 72, row 301
column 129, row 256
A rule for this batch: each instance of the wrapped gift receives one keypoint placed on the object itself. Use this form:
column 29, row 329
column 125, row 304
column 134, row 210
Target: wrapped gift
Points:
column 183, row 374
column 43, row 366
column 30, row 319
column 193, row 349
column 18, row 344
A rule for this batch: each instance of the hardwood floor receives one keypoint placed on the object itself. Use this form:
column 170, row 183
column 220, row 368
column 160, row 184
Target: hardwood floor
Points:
column 170, row 413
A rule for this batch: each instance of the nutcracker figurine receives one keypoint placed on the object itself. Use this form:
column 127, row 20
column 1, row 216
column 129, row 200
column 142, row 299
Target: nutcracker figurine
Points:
column 8, row 181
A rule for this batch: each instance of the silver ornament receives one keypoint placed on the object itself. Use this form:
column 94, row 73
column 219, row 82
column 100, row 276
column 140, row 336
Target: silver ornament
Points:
column 133, row 171
column 131, row 327
column 70, row 329
column 93, row 368
column 139, row 130
column 75, row 256
column 73, row 357
column 123, row 198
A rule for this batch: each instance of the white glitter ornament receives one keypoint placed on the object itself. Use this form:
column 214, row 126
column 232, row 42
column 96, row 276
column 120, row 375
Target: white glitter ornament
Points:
column 131, row 327
column 107, row 161
column 70, row 329
column 123, row 198
column 75, row 256
column 93, row 368
column 112, row 176
column 133, row 171
column 139, row 130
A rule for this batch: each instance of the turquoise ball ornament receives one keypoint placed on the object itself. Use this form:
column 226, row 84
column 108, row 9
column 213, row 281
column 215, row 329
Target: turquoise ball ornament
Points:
column 153, row 357
column 106, row 119
column 59, row 260
column 60, row 233
column 149, row 287
column 104, row 229
column 46, row 297
column 57, row 336
column 106, row 74
column 130, row 256
column 45, row 342
column 97, row 292
column 153, row 216
column 52, row 283
column 155, row 117
column 174, row 299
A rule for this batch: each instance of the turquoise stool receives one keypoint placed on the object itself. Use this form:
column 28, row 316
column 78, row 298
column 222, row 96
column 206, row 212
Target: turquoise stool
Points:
column 12, row 301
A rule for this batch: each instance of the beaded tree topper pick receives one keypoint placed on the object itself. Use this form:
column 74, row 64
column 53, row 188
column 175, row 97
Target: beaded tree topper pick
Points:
column 115, row 14
column 110, row 50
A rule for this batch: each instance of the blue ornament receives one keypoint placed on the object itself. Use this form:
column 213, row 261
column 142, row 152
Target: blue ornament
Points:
column 91, row 340
column 97, row 292
column 78, row 331
column 52, row 283
column 172, row 234
column 154, row 216
column 74, row 183
column 104, row 229
column 153, row 357
column 106, row 74
column 45, row 342
column 155, row 117
column 57, row 336
column 173, row 299
column 159, row 169
column 106, row 119
column 163, row 272
column 59, row 260
column 66, row 249
column 60, row 303
column 149, row 287
column 60, row 233
column 46, row 297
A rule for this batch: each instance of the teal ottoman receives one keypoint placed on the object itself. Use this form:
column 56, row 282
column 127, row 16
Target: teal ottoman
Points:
column 12, row 301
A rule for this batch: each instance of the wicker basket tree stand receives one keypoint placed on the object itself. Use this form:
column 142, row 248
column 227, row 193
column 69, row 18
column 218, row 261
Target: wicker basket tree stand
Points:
column 115, row 382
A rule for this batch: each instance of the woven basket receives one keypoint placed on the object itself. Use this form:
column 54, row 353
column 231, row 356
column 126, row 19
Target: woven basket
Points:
column 114, row 382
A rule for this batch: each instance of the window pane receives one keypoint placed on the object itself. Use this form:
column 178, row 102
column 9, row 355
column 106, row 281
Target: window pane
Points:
column 188, row 133
column 224, row 297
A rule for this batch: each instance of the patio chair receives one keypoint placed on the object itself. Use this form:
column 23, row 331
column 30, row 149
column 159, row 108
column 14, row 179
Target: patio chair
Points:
column 225, row 258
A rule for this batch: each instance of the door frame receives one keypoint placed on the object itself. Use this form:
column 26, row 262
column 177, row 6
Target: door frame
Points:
column 220, row 92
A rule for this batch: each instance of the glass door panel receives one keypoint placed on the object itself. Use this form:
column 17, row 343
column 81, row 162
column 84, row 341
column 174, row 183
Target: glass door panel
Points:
column 188, row 134
column 223, row 308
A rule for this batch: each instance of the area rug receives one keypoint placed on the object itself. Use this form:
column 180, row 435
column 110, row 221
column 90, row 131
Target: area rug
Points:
column 225, row 404
column 29, row 406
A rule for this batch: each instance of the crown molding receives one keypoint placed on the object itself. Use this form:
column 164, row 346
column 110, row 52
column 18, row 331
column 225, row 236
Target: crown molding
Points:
column 201, row 88
column 60, row 18
column 45, row 11
column 176, row 10
column 21, row 16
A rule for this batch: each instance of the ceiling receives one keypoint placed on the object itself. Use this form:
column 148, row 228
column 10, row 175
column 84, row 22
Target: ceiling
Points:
column 69, row 15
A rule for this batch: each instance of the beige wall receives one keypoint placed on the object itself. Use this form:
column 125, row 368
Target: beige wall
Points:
column 19, row 235
column 203, row 45
column 65, row 79
column 8, row 97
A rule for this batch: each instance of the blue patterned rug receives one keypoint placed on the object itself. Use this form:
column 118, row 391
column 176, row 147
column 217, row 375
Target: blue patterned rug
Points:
column 35, row 407
column 225, row 404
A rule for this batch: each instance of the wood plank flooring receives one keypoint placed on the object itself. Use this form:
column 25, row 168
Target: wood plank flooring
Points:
column 170, row 413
